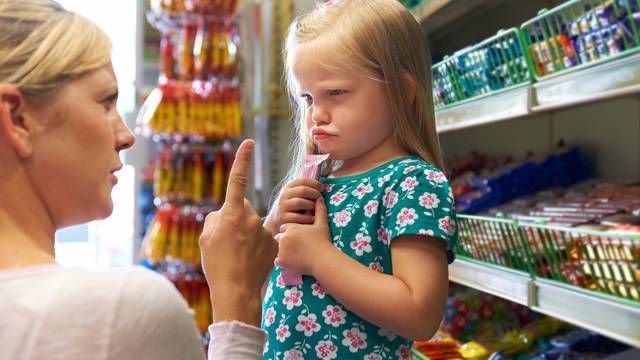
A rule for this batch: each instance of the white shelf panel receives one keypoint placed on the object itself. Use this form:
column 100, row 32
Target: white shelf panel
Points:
column 617, row 319
column 611, row 318
column 509, row 104
column 502, row 283
column 609, row 80
column 617, row 78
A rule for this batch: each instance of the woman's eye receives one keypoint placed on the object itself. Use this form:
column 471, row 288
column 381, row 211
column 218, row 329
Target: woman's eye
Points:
column 108, row 104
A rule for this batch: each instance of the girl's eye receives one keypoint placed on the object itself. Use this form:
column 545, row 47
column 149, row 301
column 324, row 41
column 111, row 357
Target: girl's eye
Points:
column 336, row 92
column 308, row 99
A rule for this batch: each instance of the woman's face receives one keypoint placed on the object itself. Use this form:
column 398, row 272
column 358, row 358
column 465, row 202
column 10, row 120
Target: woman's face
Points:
column 76, row 146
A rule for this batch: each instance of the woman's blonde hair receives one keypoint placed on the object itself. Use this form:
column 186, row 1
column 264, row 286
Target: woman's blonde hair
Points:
column 378, row 39
column 42, row 46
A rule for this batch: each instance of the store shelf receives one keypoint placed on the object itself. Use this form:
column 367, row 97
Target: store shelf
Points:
column 615, row 318
column 617, row 78
column 504, row 105
column 436, row 14
column 606, row 316
column 504, row 283
column 609, row 80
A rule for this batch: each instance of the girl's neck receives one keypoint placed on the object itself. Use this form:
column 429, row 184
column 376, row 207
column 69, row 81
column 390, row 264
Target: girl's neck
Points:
column 365, row 163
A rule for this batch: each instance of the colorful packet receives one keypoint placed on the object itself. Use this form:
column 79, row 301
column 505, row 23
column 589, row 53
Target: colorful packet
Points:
column 310, row 170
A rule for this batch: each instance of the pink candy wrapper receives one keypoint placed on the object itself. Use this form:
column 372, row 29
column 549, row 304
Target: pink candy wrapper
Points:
column 310, row 170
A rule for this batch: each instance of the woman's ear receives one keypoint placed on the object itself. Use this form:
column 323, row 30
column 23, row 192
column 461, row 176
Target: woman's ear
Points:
column 410, row 87
column 14, row 127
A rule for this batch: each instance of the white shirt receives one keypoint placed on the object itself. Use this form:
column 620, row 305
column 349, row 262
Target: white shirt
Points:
column 54, row 312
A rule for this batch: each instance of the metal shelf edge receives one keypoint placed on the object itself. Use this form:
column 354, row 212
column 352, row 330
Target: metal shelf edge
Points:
column 617, row 320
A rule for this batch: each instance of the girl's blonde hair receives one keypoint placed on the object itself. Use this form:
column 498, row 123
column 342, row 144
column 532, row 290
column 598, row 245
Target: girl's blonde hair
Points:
column 42, row 46
column 378, row 39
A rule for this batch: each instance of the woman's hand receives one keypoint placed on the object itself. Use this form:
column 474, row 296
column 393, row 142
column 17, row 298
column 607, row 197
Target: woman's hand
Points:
column 237, row 252
column 302, row 246
column 296, row 204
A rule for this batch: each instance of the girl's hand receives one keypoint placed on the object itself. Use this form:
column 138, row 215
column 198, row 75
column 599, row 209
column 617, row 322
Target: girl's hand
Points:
column 296, row 203
column 301, row 246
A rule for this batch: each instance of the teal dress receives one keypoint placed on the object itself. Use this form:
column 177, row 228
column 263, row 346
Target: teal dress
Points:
column 366, row 212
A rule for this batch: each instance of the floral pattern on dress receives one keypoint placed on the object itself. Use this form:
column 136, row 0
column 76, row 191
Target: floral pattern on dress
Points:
column 365, row 214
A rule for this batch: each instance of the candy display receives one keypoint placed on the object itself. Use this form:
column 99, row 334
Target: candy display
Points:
column 581, row 32
column 194, row 117
column 503, row 179
column 479, row 326
column 492, row 65
column 191, row 283
column 195, row 175
column 197, row 112
column 196, row 7
column 200, row 50
column 173, row 235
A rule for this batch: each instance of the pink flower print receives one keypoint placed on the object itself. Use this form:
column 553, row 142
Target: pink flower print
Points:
column 384, row 235
column 334, row 315
column 390, row 198
column 429, row 200
column 280, row 281
column 337, row 198
column 318, row 290
column 402, row 352
column 326, row 350
column 328, row 187
column 362, row 244
column 269, row 292
column 371, row 208
column 428, row 232
column 383, row 180
column 407, row 216
column 342, row 218
column 435, row 176
column 409, row 169
column 354, row 339
column 408, row 161
column 375, row 266
column 373, row 356
column 282, row 333
column 409, row 183
column 292, row 298
column 293, row 354
column 447, row 225
column 307, row 324
column 362, row 190
column 269, row 317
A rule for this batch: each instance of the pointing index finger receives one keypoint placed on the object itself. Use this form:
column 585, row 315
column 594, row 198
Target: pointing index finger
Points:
column 239, row 175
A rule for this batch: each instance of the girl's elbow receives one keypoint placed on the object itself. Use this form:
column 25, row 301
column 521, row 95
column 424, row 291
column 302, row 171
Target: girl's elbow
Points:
column 423, row 331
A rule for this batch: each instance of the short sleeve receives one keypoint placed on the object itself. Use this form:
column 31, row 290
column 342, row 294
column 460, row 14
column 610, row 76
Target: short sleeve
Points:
column 420, row 201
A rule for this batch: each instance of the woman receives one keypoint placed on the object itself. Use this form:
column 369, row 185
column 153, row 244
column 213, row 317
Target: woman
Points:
column 60, row 138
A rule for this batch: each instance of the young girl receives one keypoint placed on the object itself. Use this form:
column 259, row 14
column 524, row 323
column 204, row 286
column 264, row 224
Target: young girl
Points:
column 374, row 255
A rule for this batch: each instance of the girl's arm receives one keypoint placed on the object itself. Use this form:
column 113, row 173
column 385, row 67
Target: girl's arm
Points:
column 409, row 303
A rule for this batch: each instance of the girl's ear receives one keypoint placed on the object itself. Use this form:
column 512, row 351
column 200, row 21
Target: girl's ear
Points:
column 410, row 87
column 14, row 127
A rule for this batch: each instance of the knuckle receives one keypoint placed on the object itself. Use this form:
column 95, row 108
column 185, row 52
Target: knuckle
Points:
column 240, row 179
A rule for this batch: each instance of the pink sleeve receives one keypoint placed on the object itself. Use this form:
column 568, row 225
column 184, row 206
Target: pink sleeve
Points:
column 236, row 341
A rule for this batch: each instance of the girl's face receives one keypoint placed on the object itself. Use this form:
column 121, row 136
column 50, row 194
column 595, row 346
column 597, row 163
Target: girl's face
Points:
column 76, row 148
column 347, row 115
